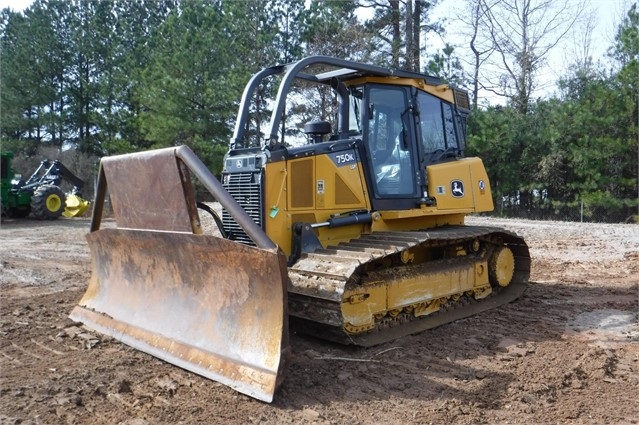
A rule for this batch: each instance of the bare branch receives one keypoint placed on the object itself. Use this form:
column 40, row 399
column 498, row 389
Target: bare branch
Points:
column 524, row 33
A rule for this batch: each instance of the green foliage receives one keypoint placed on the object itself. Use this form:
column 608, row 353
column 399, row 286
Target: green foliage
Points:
column 447, row 65
column 181, row 93
column 94, row 77
column 579, row 149
column 331, row 28
column 211, row 154
column 394, row 42
column 30, row 66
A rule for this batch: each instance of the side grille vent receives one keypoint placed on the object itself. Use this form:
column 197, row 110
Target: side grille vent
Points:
column 246, row 189
column 461, row 99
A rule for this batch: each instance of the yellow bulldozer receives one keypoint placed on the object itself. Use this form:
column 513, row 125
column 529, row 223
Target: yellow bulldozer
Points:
column 356, row 236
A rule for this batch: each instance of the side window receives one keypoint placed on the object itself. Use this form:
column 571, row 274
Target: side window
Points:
column 355, row 106
column 449, row 124
column 391, row 161
column 431, row 123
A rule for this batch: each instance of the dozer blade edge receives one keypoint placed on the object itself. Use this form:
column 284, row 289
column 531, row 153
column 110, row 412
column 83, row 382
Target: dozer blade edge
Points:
column 207, row 304
column 200, row 302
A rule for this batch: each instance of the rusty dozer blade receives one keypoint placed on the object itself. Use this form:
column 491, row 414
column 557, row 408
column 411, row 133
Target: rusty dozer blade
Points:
column 204, row 303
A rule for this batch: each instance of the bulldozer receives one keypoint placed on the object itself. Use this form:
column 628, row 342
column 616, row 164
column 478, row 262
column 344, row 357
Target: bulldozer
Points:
column 356, row 236
column 40, row 195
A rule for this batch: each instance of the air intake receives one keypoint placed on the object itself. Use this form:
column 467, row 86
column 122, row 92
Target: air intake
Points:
column 461, row 99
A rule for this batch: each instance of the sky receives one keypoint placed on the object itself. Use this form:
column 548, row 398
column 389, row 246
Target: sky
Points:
column 609, row 14
column 16, row 5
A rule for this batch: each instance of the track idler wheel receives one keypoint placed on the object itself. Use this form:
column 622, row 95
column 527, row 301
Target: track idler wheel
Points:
column 501, row 266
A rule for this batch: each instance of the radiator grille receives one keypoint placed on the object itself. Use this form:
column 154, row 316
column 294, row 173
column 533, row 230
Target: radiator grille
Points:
column 246, row 189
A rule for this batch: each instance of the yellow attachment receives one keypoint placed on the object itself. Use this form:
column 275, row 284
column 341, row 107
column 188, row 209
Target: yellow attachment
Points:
column 481, row 292
column 75, row 206
column 442, row 91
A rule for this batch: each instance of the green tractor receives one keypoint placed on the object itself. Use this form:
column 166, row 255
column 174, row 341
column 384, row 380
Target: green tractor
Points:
column 41, row 194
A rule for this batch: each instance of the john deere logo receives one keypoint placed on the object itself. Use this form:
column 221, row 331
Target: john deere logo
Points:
column 457, row 188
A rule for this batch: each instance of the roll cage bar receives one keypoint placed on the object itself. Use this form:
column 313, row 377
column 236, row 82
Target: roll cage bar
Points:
column 346, row 70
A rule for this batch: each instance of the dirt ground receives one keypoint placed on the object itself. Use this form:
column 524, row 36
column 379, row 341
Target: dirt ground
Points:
column 566, row 352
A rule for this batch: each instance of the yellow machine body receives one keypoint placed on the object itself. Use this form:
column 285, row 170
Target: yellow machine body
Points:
column 314, row 189
column 356, row 236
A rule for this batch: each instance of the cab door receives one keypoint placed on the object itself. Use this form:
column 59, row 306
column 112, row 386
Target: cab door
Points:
column 389, row 145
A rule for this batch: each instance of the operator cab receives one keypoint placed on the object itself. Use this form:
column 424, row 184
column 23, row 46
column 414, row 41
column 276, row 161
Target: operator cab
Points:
column 403, row 130
column 397, row 122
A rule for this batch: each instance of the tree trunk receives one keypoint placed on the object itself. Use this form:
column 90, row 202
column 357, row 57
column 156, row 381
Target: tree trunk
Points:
column 476, row 13
column 409, row 35
column 397, row 39
column 416, row 36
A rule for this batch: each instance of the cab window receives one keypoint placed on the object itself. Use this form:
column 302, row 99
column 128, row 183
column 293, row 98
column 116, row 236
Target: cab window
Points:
column 437, row 126
column 391, row 159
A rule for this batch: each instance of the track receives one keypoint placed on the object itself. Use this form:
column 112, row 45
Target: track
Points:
column 319, row 280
